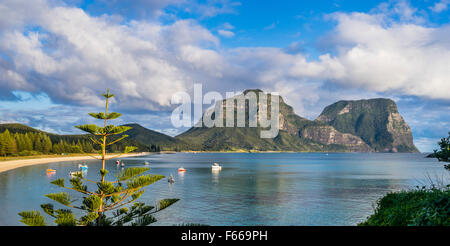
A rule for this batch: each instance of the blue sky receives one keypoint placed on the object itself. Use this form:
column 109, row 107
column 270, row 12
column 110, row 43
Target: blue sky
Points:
column 57, row 56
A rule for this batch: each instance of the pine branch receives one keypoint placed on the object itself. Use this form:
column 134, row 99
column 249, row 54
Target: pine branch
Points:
column 32, row 218
column 131, row 173
column 115, row 141
column 62, row 197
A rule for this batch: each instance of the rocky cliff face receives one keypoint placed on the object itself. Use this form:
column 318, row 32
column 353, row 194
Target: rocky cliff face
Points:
column 328, row 135
column 376, row 121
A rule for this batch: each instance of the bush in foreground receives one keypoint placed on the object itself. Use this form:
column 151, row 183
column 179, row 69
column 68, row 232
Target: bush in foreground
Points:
column 422, row 207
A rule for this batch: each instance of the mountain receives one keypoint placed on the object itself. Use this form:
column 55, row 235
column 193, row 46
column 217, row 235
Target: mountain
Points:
column 137, row 137
column 149, row 137
column 376, row 121
column 356, row 126
column 17, row 128
column 248, row 138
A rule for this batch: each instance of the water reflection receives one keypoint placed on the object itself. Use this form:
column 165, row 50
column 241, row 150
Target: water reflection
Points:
column 215, row 176
column 181, row 176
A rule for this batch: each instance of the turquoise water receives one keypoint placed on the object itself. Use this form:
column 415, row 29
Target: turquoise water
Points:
column 251, row 189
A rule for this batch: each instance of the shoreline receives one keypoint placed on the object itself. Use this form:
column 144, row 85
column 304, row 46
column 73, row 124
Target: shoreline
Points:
column 13, row 164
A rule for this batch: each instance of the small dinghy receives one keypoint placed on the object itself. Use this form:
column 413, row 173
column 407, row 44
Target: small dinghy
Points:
column 83, row 167
column 51, row 170
column 122, row 164
column 118, row 162
column 181, row 170
column 171, row 180
column 216, row 166
column 75, row 173
column 146, row 163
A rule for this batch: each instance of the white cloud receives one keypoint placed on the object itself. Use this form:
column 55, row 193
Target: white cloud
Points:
column 228, row 26
column 440, row 6
column 226, row 33
column 271, row 26
column 405, row 58
column 73, row 57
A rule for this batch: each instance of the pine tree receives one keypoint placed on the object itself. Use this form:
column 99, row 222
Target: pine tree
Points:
column 111, row 195
column 3, row 144
column 443, row 154
column 28, row 144
column 10, row 143
column 46, row 144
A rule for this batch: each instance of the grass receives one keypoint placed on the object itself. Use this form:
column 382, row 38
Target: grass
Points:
column 421, row 207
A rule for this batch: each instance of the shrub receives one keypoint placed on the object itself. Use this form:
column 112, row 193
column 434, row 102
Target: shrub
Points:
column 422, row 207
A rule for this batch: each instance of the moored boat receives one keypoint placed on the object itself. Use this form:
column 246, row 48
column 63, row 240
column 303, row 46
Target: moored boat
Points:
column 181, row 169
column 75, row 173
column 216, row 166
column 83, row 167
column 171, row 179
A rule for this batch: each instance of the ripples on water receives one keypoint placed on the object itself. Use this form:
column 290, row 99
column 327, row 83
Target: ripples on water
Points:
column 251, row 188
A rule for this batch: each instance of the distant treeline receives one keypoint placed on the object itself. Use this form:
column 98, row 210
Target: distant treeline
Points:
column 36, row 143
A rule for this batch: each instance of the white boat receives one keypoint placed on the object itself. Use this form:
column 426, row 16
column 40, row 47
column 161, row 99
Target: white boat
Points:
column 216, row 166
column 122, row 164
column 171, row 179
column 75, row 173
column 146, row 163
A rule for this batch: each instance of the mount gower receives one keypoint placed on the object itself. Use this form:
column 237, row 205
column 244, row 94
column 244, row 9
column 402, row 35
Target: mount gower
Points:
column 373, row 125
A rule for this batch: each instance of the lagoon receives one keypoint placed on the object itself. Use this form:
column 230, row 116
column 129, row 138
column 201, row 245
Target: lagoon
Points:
column 251, row 189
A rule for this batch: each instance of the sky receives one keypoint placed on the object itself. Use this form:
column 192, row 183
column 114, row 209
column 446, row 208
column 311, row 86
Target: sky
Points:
column 58, row 56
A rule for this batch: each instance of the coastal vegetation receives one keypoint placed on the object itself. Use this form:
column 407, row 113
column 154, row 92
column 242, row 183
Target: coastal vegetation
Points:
column 20, row 140
column 443, row 154
column 114, row 203
column 421, row 207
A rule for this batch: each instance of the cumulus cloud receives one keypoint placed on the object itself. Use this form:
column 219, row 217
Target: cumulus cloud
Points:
column 73, row 56
column 440, row 6
column 378, row 53
column 226, row 33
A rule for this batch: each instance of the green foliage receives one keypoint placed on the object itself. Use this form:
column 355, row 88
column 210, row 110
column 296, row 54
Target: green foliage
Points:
column 32, row 218
column 58, row 182
column 110, row 195
column 165, row 203
column 131, row 173
column 421, row 207
column 62, row 197
column 443, row 154
column 101, row 116
column 144, row 180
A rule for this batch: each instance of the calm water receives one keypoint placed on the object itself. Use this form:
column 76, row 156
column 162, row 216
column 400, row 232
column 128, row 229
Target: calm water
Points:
column 251, row 189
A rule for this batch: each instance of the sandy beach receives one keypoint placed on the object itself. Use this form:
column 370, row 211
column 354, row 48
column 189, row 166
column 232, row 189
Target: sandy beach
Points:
column 8, row 165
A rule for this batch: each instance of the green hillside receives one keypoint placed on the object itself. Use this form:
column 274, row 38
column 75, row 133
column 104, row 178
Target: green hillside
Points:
column 149, row 137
